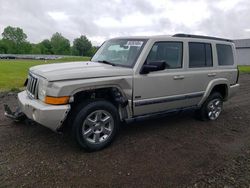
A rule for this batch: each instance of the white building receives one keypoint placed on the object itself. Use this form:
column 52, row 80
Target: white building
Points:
column 243, row 51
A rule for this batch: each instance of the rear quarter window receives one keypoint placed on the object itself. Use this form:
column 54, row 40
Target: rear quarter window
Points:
column 225, row 54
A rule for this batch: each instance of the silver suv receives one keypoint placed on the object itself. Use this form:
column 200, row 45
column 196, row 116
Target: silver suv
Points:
column 128, row 79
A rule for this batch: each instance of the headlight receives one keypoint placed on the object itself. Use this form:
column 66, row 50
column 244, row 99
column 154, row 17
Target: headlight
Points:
column 42, row 94
column 42, row 86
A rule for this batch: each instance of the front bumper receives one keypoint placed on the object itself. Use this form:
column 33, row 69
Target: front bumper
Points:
column 51, row 116
column 233, row 90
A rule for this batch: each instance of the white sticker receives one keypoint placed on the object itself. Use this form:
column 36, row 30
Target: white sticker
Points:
column 134, row 43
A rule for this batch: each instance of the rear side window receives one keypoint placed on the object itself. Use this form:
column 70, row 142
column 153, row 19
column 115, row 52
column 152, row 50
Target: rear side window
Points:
column 225, row 54
column 171, row 52
column 200, row 55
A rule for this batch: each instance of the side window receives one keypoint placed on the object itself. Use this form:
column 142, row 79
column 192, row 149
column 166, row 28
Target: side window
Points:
column 171, row 52
column 225, row 54
column 200, row 55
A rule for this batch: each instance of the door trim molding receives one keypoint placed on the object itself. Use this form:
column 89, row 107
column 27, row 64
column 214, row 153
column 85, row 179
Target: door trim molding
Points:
column 168, row 99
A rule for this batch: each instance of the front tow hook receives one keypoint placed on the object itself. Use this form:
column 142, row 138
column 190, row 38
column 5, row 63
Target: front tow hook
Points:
column 16, row 116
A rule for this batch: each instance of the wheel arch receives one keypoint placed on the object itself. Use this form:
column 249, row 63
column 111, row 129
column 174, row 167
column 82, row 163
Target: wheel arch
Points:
column 219, row 85
column 111, row 93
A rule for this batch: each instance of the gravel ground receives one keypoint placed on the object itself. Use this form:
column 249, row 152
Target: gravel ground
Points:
column 176, row 151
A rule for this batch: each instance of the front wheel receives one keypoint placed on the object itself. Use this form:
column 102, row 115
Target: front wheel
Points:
column 95, row 124
column 211, row 108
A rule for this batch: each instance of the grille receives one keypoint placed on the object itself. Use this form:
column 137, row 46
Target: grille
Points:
column 32, row 86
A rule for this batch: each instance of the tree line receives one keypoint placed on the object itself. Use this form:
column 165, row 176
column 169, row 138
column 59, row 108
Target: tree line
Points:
column 14, row 41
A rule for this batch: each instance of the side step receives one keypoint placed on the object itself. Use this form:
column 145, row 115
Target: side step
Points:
column 16, row 116
column 159, row 114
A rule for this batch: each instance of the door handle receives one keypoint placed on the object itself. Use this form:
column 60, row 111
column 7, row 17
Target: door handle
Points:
column 211, row 74
column 178, row 77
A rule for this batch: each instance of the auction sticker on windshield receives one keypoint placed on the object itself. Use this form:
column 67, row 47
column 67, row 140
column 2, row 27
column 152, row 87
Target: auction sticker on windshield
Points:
column 134, row 43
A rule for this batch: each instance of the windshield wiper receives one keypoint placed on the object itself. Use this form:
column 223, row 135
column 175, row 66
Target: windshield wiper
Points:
column 107, row 62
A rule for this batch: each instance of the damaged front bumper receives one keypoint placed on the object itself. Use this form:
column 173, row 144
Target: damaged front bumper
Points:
column 51, row 116
column 17, row 115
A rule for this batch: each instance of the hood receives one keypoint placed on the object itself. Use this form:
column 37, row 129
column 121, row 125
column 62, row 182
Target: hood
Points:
column 79, row 70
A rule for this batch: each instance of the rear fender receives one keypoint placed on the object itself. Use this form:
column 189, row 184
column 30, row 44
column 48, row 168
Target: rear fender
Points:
column 210, row 87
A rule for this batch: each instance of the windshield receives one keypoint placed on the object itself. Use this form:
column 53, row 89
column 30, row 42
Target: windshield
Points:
column 119, row 52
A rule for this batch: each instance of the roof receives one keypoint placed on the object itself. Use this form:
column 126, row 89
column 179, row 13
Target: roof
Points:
column 242, row 43
column 143, row 37
column 180, row 36
column 201, row 37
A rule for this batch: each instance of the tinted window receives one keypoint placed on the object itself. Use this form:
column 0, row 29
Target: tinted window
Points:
column 209, row 57
column 200, row 55
column 171, row 52
column 225, row 54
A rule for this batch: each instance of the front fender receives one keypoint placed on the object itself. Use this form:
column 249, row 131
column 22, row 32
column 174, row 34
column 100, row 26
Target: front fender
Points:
column 124, row 111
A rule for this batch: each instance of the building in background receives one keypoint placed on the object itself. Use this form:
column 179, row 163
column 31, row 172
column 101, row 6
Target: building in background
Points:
column 243, row 51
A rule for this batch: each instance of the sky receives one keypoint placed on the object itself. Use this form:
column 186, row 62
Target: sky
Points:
column 100, row 20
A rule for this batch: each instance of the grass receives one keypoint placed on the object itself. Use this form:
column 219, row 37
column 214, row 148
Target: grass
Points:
column 244, row 68
column 14, row 72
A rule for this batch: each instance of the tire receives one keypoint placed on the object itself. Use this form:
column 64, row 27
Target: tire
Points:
column 95, row 125
column 211, row 108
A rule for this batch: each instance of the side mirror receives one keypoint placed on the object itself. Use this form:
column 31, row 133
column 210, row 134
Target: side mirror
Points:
column 153, row 66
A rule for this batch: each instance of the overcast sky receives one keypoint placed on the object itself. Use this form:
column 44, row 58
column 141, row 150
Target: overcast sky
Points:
column 103, row 19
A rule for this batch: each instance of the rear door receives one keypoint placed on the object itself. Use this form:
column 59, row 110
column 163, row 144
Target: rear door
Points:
column 201, row 68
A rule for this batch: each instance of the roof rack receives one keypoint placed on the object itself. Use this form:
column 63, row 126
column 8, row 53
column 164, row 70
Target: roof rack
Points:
column 200, row 37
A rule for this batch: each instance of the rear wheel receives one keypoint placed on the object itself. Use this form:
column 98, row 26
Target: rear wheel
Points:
column 211, row 108
column 95, row 125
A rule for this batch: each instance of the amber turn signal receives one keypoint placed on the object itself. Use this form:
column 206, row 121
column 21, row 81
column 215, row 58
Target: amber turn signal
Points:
column 57, row 100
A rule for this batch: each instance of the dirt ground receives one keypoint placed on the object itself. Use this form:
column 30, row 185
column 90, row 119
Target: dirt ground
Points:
column 175, row 151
